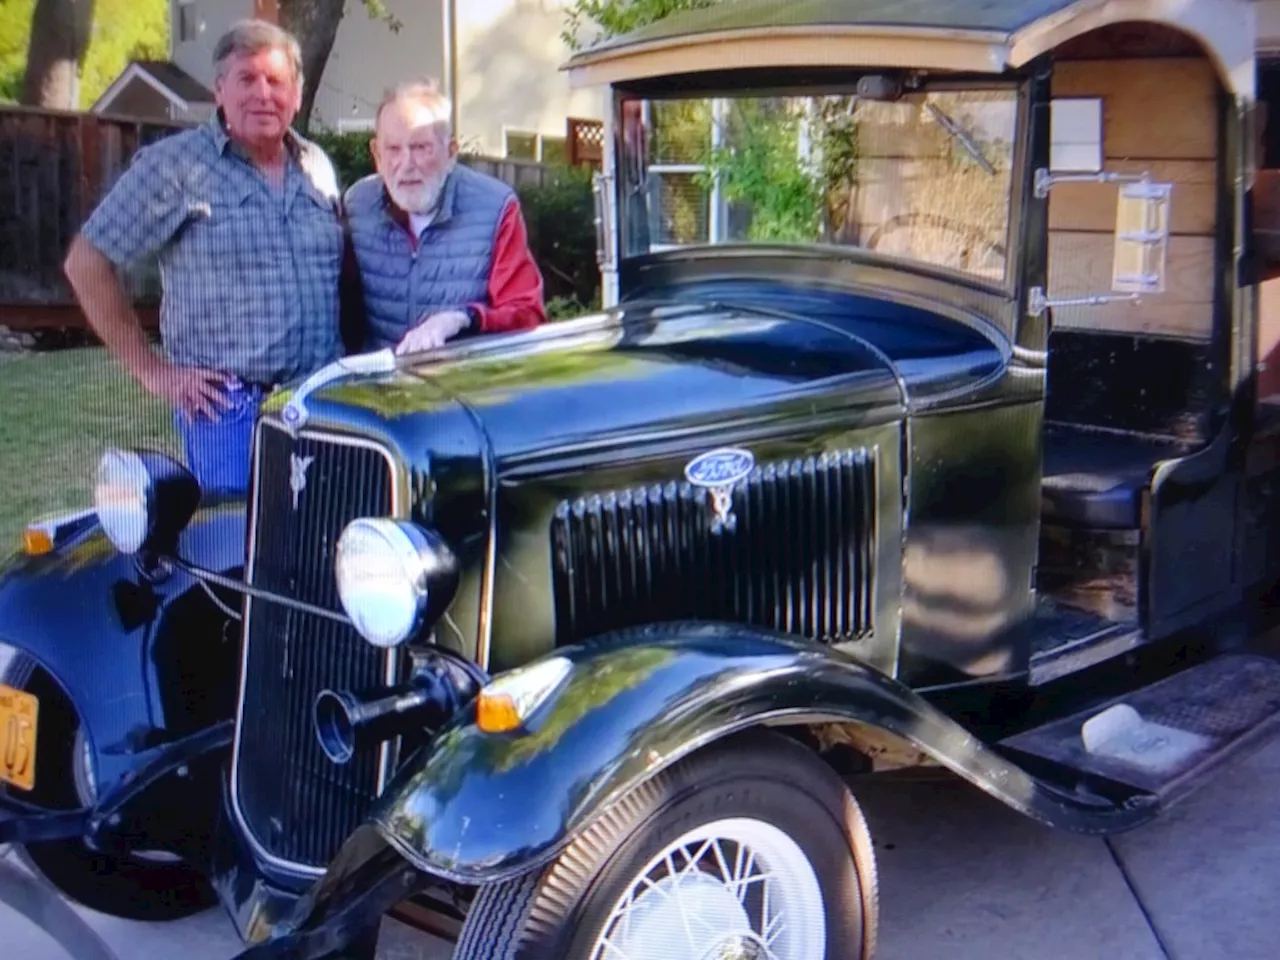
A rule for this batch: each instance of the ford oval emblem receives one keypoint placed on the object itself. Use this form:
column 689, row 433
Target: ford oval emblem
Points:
column 720, row 471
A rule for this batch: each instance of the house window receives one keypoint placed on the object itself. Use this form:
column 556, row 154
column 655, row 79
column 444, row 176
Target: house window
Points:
column 188, row 23
column 684, row 209
column 1075, row 138
column 554, row 149
column 520, row 144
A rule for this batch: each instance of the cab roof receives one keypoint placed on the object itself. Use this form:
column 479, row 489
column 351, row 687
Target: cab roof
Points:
column 997, row 17
column 986, row 36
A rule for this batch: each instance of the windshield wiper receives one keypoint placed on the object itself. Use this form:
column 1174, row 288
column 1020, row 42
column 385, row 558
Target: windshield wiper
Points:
column 948, row 123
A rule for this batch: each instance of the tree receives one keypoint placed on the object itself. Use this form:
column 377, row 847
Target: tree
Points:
column 122, row 30
column 609, row 18
column 315, row 24
column 60, row 33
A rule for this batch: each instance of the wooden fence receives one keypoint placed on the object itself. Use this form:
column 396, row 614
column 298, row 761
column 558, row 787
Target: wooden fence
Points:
column 54, row 168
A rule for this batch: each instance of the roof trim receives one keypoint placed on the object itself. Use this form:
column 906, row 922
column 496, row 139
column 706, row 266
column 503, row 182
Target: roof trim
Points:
column 135, row 71
column 796, row 46
column 1227, row 29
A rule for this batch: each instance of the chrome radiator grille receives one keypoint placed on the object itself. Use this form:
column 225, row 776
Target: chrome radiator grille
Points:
column 298, row 805
column 799, row 561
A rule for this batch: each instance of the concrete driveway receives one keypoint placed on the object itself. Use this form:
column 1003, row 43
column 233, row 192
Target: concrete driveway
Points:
column 963, row 878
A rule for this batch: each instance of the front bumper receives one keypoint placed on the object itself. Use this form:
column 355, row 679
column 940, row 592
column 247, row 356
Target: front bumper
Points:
column 24, row 823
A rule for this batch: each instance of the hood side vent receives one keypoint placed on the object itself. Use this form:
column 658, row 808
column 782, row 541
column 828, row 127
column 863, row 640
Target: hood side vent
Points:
column 799, row 559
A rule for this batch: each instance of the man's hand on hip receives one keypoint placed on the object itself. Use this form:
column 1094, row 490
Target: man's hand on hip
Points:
column 193, row 390
column 434, row 331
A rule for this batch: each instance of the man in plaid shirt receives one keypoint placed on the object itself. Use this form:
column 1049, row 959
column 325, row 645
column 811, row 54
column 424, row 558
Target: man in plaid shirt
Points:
column 245, row 217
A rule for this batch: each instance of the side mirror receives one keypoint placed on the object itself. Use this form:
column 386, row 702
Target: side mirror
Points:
column 1142, row 238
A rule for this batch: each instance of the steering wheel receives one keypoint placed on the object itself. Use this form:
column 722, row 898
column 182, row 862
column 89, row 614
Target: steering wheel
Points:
column 973, row 245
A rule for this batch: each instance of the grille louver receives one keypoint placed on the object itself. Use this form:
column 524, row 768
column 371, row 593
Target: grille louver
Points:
column 800, row 559
column 297, row 804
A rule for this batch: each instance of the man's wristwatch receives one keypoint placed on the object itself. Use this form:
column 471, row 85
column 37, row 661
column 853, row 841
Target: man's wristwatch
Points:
column 473, row 320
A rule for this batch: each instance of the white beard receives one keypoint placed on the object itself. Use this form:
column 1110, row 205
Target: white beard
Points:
column 420, row 199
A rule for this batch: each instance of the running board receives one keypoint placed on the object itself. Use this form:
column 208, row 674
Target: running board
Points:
column 1080, row 653
column 1164, row 739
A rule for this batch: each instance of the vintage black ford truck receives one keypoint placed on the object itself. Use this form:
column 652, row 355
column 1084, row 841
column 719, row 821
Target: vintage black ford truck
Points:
column 919, row 429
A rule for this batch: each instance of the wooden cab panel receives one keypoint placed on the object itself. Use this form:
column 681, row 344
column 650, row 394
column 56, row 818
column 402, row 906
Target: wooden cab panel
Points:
column 1160, row 116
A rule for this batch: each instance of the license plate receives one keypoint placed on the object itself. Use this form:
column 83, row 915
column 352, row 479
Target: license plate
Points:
column 18, row 737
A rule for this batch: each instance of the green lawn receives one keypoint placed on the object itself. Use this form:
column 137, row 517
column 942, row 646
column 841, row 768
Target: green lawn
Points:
column 57, row 412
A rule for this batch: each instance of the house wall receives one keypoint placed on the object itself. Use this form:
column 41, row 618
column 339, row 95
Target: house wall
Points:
column 141, row 100
column 367, row 58
column 213, row 19
column 509, row 54
column 509, row 58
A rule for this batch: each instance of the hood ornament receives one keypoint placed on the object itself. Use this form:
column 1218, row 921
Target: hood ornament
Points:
column 295, row 413
column 719, row 472
column 298, row 467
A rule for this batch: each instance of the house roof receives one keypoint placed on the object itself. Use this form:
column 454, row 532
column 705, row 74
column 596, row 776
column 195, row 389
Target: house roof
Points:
column 178, row 80
column 164, row 76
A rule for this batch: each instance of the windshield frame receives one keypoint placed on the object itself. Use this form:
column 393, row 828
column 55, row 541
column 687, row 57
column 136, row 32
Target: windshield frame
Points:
column 818, row 82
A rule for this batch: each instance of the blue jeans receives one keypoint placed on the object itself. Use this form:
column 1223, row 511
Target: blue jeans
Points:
column 219, row 452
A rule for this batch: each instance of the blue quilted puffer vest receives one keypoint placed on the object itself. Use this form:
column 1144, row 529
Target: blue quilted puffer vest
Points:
column 450, row 267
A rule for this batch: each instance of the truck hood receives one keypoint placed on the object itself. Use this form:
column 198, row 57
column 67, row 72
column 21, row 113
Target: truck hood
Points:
column 656, row 369
column 731, row 361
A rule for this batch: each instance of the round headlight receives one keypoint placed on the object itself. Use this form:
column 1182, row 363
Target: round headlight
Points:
column 386, row 574
column 122, row 497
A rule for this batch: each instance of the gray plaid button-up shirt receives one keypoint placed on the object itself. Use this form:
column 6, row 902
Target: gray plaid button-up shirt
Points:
column 250, row 274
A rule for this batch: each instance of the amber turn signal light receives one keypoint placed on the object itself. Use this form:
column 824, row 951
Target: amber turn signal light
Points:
column 36, row 542
column 496, row 713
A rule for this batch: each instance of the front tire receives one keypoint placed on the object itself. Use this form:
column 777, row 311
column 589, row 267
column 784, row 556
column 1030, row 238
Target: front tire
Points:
column 140, row 886
column 768, row 850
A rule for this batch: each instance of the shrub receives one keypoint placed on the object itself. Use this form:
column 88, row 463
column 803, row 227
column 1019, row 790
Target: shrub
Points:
column 349, row 153
column 561, row 219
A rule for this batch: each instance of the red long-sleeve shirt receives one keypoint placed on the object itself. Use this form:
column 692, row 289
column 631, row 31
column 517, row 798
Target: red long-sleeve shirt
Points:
column 515, row 282
column 515, row 287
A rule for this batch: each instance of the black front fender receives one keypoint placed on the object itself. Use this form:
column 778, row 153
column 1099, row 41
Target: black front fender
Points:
column 143, row 663
column 481, row 808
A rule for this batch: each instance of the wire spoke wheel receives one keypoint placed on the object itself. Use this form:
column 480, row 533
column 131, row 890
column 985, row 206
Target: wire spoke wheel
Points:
column 730, row 890
column 752, row 849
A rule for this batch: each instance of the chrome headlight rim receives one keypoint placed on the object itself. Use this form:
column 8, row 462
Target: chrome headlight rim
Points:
column 165, row 493
column 134, row 479
column 428, row 577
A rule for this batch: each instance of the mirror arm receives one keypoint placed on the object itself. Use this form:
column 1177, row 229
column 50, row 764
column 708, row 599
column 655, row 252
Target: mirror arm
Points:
column 1038, row 301
column 1047, row 180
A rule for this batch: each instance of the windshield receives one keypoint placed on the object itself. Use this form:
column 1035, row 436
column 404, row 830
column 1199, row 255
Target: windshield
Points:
column 925, row 177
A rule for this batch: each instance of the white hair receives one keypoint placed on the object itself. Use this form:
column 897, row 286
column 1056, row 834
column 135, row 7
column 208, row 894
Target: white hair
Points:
column 426, row 92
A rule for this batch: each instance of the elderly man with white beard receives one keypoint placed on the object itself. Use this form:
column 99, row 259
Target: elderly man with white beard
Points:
column 441, row 249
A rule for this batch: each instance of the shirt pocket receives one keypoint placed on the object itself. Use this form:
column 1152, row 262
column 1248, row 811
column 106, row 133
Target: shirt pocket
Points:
column 317, row 235
column 228, row 232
